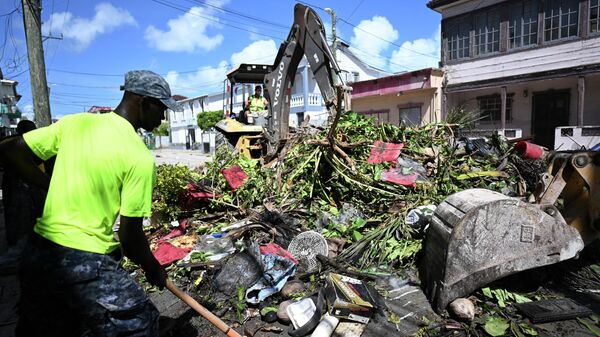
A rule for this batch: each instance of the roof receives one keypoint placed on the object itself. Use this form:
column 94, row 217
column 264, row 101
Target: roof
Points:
column 100, row 109
column 433, row 4
column 372, row 71
column 414, row 80
column 249, row 73
column 179, row 97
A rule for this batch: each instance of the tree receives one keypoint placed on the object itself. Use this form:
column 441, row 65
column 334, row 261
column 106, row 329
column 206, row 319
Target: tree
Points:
column 208, row 120
column 162, row 129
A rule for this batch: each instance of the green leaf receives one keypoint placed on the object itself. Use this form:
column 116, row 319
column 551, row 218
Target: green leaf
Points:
column 521, row 298
column 393, row 318
column 356, row 235
column 496, row 326
column 593, row 329
column 516, row 331
column 528, row 330
column 482, row 174
column 358, row 223
column 487, row 292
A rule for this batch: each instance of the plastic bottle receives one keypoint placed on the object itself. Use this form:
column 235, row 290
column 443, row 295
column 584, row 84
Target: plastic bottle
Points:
column 326, row 327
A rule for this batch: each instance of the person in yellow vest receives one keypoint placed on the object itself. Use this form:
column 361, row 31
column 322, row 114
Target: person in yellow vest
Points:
column 71, row 281
column 256, row 106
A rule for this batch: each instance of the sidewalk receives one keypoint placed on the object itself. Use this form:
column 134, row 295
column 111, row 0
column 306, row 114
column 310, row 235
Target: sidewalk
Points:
column 189, row 158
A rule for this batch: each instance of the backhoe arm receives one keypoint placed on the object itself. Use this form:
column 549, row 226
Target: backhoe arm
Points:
column 306, row 37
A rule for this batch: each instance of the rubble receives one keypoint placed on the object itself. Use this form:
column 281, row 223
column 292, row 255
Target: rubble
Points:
column 361, row 199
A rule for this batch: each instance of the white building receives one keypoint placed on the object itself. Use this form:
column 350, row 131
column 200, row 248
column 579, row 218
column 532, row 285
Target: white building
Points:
column 306, row 100
column 532, row 65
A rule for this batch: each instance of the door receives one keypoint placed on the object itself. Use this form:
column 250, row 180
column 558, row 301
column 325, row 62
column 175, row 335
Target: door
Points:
column 550, row 110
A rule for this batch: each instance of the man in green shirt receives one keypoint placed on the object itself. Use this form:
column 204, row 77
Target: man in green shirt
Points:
column 71, row 281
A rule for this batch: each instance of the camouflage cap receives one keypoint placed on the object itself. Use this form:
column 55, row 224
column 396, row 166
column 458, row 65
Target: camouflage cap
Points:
column 150, row 84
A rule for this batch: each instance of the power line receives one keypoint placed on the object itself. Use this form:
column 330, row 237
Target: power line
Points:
column 372, row 34
column 389, row 60
column 223, row 9
column 174, row 6
column 83, row 86
column 61, row 34
column 355, row 8
column 386, row 40
column 10, row 13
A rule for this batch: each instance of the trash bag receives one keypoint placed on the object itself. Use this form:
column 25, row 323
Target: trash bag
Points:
column 241, row 270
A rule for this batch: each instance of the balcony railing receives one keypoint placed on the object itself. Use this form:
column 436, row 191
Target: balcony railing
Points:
column 313, row 100
column 297, row 100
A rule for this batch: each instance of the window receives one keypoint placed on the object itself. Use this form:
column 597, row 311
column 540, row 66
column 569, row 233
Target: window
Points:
column 522, row 24
column 411, row 116
column 380, row 116
column 457, row 35
column 561, row 19
column 487, row 32
column 356, row 75
column 594, row 16
column 490, row 107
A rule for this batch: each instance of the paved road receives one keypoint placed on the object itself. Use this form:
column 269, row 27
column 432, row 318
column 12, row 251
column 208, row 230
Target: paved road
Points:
column 191, row 159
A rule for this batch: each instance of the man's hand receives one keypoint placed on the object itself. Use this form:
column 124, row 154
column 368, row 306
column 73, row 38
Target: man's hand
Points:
column 15, row 154
column 135, row 246
column 157, row 276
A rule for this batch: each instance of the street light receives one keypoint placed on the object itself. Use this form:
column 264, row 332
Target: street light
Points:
column 333, row 30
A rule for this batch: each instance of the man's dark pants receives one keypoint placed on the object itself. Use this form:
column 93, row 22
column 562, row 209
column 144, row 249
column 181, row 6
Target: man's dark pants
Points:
column 68, row 292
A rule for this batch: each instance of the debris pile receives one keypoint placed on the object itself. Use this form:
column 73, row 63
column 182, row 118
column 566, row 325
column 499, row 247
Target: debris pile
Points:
column 284, row 238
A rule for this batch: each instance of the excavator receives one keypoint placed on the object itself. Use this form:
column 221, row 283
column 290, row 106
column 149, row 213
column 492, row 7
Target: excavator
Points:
column 477, row 236
column 306, row 38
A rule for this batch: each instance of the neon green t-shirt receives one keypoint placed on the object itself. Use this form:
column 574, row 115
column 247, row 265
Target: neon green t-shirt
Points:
column 102, row 169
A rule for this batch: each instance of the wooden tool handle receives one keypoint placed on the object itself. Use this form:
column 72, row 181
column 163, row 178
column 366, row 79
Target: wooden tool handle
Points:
column 212, row 318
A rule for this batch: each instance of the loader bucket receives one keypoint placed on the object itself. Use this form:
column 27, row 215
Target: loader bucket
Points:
column 478, row 236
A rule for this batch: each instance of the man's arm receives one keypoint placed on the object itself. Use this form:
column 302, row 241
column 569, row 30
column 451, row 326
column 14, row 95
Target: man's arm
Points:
column 135, row 247
column 16, row 155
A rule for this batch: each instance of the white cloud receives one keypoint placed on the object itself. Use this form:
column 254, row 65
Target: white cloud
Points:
column 210, row 79
column 262, row 51
column 187, row 33
column 82, row 31
column 412, row 53
column 254, row 34
column 371, row 38
column 27, row 111
column 204, row 80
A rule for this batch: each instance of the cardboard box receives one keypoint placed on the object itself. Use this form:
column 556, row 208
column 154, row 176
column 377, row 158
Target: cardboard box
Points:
column 349, row 298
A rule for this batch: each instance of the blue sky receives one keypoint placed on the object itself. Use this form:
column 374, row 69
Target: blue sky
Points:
column 193, row 43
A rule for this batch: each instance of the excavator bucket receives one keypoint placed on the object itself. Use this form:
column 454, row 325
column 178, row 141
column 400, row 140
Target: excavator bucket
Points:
column 478, row 236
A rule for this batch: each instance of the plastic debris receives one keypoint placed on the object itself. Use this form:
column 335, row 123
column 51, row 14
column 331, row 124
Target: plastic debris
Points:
column 301, row 312
column 420, row 216
column 277, row 267
column 235, row 177
column 384, row 152
column 166, row 253
column 305, row 247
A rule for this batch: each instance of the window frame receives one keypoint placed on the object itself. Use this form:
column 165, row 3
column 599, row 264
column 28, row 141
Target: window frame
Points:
column 458, row 34
column 519, row 22
column 561, row 3
column 589, row 18
column 489, row 118
column 483, row 33
column 419, row 107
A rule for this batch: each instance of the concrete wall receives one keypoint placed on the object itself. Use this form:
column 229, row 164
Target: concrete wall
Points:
column 523, row 106
column 426, row 99
column 591, row 115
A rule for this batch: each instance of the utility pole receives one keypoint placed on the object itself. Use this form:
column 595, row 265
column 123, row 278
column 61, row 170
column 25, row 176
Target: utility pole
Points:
column 32, row 20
